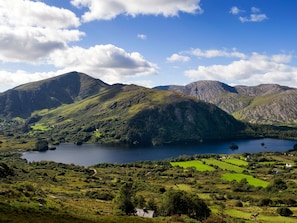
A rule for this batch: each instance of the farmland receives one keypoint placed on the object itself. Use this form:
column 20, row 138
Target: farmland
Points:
column 233, row 187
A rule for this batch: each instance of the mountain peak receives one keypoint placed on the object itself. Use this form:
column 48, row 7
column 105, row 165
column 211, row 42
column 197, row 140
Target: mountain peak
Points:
column 63, row 89
column 264, row 103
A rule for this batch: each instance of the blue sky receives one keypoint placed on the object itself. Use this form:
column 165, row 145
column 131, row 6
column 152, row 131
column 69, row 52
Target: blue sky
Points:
column 149, row 42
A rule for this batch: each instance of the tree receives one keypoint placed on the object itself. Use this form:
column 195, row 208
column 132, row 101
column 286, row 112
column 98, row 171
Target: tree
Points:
column 284, row 211
column 181, row 202
column 151, row 204
column 265, row 202
column 277, row 185
column 139, row 201
column 124, row 200
column 41, row 145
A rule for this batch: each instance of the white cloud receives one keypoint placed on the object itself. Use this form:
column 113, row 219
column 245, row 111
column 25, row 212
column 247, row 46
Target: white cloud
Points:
column 142, row 36
column 177, row 58
column 185, row 56
column 31, row 30
column 255, row 10
column 31, row 13
column 107, row 62
column 255, row 69
column 110, row 9
column 28, row 44
column 254, row 18
column 255, row 15
column 216, row 53
column 235, row 10
column 9, row 80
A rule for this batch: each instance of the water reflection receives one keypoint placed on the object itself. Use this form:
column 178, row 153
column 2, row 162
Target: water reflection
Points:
column 90, row 154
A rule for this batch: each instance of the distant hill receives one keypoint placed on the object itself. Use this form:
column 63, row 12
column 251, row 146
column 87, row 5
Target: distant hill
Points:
column 75, row 107
column 262, row 104
column 64, row 89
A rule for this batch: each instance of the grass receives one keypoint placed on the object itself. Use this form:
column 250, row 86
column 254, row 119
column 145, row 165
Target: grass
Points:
column 40, row 127
column 198, row 165
column 250, row 179
column 262, row 217
column 237, row 162
column 223, row 165
column 184, row 187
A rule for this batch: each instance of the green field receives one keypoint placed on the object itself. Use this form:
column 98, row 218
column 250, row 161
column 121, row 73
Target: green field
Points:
column 236, row 162
column 40, row 127
column 198, row 165
column 223, row 165
column 262, row 217
column 250, row 179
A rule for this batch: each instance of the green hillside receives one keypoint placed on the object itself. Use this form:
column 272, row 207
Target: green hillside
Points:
column 131, row 114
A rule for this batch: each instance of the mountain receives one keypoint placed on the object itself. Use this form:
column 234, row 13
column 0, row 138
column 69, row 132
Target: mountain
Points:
column 129, row 114
column 64, row 89
column 77, row 108
column 262, row 104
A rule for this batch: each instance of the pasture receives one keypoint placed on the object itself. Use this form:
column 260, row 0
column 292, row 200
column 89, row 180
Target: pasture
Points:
column 250, row 179
column 198, row 165
column 223, row 165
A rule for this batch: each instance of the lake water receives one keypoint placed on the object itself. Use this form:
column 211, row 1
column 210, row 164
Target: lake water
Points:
column 90, row 154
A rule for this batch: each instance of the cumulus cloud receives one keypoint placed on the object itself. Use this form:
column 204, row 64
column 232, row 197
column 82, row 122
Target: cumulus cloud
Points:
column 107, row 62
column 28, row 44
column 255, row 69
column 254, row 16
column 110, row 9
column 177, row 58
column 142, row 36
column 30, row 30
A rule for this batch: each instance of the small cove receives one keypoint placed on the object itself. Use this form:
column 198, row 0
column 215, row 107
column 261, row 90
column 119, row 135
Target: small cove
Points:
column 91, row 154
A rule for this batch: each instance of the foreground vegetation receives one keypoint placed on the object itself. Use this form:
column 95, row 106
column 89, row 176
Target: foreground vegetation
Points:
column 202, row 188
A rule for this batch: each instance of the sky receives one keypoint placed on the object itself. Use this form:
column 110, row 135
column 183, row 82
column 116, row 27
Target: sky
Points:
column 149, row 42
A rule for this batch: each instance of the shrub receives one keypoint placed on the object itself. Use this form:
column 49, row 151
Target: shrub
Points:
column 284, row 211
column 265, row 202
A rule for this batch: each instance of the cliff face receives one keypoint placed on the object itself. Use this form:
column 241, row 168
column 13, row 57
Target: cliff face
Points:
column 263, row 104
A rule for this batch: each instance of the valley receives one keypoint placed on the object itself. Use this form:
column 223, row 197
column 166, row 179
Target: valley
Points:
column 77, row 109
column 234, row 188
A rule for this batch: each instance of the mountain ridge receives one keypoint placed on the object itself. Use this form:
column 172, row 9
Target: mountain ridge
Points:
column 75, row 107
column 264, row 103
column 23, row 100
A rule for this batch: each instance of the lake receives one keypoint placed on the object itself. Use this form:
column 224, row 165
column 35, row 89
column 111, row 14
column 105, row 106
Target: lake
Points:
column 90, row 154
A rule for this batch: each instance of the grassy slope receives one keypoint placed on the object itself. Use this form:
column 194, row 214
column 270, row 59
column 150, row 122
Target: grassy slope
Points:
column 133, row 114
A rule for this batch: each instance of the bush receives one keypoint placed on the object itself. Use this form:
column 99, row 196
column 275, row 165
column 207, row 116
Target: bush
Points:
column 276, row 185
column 265, row 202
column 284, row 211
